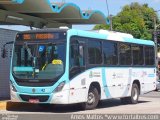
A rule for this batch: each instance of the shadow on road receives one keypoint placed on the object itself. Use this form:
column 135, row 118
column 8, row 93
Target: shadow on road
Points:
column 27, row 107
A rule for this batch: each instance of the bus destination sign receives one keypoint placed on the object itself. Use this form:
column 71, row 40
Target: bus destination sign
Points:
column 38, row 36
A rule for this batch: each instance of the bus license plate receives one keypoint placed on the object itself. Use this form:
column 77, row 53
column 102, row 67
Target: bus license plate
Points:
column 34, row 100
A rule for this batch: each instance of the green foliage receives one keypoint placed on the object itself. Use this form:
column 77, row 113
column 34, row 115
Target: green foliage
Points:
column 135, row 19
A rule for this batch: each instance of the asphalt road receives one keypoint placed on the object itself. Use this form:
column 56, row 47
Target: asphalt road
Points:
column 148, row 104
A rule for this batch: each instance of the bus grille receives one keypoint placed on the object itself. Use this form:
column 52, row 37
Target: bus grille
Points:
column 36, row 84
column 40, row 98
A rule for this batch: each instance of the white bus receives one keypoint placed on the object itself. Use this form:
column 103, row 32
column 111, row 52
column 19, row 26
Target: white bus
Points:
column 57, row 66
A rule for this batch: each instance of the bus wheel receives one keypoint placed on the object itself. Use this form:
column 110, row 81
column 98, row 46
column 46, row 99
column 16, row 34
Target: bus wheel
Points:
column 134, row 94
column 92, row 99
column 133, row 99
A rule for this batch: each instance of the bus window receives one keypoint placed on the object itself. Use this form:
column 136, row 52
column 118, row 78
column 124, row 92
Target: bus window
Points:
column 149, row 55
column 94, row 52
column 110, row 53
column 77, row 58
column 125, row 54
column 138, row 56
column 46, row 61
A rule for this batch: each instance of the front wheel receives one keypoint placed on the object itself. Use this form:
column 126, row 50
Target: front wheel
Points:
column 92, row 99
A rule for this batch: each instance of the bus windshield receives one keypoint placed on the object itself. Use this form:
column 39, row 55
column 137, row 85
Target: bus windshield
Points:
column 38, row 60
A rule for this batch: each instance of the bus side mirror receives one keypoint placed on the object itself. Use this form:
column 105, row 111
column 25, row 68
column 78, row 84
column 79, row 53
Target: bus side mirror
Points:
column 3, row 52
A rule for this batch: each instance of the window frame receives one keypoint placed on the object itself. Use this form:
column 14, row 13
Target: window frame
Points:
column 114, row 42
column 97, row 40
column 89, row 66
column 153, row 55
column 83, row 39
column 131, row 54
column 140, row 45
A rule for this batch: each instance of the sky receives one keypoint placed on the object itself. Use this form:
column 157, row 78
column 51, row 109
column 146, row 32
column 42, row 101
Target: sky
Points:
column 115, row 6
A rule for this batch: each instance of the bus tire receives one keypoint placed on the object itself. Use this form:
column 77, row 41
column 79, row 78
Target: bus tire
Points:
column 92, row 99
column 134, row 94
column 156, row 89
column 133, row 99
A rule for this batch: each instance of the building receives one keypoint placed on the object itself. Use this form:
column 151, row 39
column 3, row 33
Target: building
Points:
column 5, row 36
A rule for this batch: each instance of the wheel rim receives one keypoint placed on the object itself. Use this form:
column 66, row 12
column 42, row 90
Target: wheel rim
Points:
column 135, row 94
column 91, row 98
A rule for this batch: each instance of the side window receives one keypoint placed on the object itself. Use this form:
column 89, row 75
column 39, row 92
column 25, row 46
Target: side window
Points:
column 77, row 57
column 125, row 54
column 138, row 56
column 74, row 61
column 94, row 52
column 110, row 53
column 149, row 55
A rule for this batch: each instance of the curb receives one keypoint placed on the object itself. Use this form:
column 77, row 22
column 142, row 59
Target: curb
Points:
column 3, row 105
column 8, row 105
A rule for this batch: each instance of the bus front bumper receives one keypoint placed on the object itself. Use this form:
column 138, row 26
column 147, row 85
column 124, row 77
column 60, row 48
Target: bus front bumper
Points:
column 61, row 97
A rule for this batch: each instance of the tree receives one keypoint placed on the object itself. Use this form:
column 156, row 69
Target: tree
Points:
column 135, row 19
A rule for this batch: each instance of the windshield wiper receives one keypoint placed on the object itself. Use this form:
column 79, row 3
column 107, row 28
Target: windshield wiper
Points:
column 28, row 50
column 31, row 56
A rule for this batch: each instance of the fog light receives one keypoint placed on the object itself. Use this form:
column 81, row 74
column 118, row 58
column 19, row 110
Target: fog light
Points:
column 12, row 87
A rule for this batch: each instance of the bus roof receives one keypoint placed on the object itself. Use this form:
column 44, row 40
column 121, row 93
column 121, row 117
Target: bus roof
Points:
column 110, row 35
column 100, row 34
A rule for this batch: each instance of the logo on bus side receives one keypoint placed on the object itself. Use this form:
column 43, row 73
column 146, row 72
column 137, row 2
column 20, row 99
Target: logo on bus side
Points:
column 117, row 75
column 33, row 90
column 91, row 74
column 94, row 74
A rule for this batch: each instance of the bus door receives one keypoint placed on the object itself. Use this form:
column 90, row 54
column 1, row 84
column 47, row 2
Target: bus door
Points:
column 77, row 67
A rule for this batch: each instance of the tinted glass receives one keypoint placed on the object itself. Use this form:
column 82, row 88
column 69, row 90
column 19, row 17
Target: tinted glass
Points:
column 138, row 57
column 39, row 61
column 110, row 53
column 94, row 52
column 77, row 57
column 125, row 54
column 149, row 55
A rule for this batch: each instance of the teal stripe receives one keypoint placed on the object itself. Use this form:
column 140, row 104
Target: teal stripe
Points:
column 18, row 1
column 105, row 83
column 23, row 69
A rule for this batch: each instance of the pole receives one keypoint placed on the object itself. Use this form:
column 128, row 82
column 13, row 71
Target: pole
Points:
column 155, row 41
column 111, row 22
column 109, row 16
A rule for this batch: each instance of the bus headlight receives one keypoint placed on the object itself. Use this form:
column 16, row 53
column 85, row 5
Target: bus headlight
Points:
column 60, row 87
column 12, row 87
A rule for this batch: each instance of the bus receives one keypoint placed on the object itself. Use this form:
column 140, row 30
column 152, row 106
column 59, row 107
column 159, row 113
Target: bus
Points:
column 69, row 66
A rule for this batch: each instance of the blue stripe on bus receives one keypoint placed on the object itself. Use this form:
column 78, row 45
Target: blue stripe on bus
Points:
column 139, row 41
column 23, row 69
column 18, row 1
column 105, row 83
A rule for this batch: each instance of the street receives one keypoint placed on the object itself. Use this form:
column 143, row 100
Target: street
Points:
column 148, row 104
